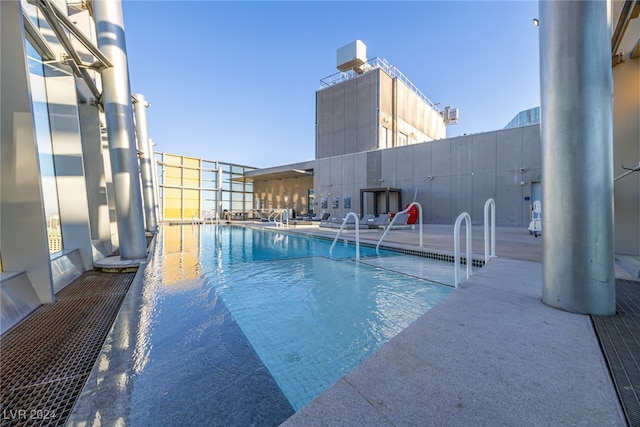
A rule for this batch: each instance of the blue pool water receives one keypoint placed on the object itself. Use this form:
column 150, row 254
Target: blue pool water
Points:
column 309, row 317
column 241, row 326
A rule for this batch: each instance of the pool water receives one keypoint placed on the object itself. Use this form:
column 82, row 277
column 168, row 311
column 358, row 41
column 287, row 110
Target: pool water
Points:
column 310, row 318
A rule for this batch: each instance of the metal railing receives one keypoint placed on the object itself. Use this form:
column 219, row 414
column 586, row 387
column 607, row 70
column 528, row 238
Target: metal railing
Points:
column 280, row 217
column 456, row 246
column 490, row 203
column 357, row 226
column 388, row 227
column 373, row 64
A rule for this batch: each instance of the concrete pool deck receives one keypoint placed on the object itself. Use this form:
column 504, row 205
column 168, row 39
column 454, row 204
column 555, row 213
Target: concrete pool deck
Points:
column 489, row 354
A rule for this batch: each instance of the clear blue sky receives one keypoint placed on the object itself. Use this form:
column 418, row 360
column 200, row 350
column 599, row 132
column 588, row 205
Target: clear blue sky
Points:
column 236, row 81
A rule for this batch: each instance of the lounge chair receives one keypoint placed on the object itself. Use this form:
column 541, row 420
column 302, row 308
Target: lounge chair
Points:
column 399, row 222
column 367, row 219
column 329, row 222
column 381, row 220
column 262, row 217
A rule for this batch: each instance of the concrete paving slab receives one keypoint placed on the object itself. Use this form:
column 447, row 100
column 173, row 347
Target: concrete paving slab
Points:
column 489, row 354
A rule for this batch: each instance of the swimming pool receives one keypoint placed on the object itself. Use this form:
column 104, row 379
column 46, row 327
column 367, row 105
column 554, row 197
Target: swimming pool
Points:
column 245, row 326
column 310, row 318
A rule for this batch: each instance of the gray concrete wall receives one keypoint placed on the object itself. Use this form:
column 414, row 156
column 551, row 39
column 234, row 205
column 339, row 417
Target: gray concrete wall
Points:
column 352, row 116
column 451, row 176
column 414, row 117
column 346, row 117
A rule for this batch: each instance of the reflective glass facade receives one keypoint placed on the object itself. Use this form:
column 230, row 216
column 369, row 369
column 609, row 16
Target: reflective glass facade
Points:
column 189, row 188
column 525, row 118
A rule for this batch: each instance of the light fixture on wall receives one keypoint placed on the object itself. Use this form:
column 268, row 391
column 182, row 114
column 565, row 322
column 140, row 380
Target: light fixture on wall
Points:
column 536, row 22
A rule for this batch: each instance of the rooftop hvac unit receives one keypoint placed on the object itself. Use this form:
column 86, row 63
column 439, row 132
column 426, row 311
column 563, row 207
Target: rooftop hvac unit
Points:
column 450, row 115
column 352, row 56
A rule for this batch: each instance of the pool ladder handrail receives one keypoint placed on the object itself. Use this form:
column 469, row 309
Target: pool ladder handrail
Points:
column 388, row 227
column 284, row 218
column 490, row 203
column 357, row 228
column 456, row 246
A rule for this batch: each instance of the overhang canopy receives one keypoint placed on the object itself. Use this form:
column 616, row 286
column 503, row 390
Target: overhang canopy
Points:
column 297, row 170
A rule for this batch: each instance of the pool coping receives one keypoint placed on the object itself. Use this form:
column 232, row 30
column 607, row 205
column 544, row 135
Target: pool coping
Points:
column 462, row 364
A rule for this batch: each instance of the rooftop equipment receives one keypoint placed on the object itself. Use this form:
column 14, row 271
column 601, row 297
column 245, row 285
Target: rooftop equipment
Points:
column 352, row 57
column 450, row 115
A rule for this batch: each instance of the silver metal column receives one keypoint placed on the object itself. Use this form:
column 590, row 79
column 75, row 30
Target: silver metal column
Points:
column 577, row 156
column 140, row 106
column 122, row 147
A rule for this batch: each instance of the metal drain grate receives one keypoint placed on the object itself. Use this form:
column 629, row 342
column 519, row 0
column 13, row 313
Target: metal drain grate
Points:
column 46, row 359
column 619, row 338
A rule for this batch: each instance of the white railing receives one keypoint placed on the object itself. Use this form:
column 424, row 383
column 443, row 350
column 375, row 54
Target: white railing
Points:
column 490, row 203
column 357, row 226
column 456, row 246
column 280, row 217
column 387, row 228
column 283, row 216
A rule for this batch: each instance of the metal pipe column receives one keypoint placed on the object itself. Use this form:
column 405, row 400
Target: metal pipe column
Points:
column 140, row 106
column 576, row 90
column 116, row 100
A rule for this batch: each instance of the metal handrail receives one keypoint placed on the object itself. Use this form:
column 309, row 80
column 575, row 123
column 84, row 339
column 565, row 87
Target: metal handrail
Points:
column 344, row 222
column 488, row 255
column 388, row 227
column 284, row 216
column 456, row 246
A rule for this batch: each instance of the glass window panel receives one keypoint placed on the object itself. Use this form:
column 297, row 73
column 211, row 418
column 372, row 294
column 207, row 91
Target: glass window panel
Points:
column 208, row 177
column 172, row 203
column 192, row 173
column 209, row 200
column 191, row 203
column 45, row 151
column 170, row 159
column 191, row 162
column 208, row 165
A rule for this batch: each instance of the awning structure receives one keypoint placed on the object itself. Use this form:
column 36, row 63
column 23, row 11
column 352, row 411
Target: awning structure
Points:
column 284, row 174
column 376, row 191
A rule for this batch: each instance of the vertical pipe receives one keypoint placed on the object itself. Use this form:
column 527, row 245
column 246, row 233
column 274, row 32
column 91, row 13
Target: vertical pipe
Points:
column 140, row 106
column 219, row 192
column 116, row 98
column 577, row 154
column 156, row 181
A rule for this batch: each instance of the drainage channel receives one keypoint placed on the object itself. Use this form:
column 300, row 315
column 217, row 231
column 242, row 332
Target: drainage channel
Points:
column 619, row 338
column 46, row 359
